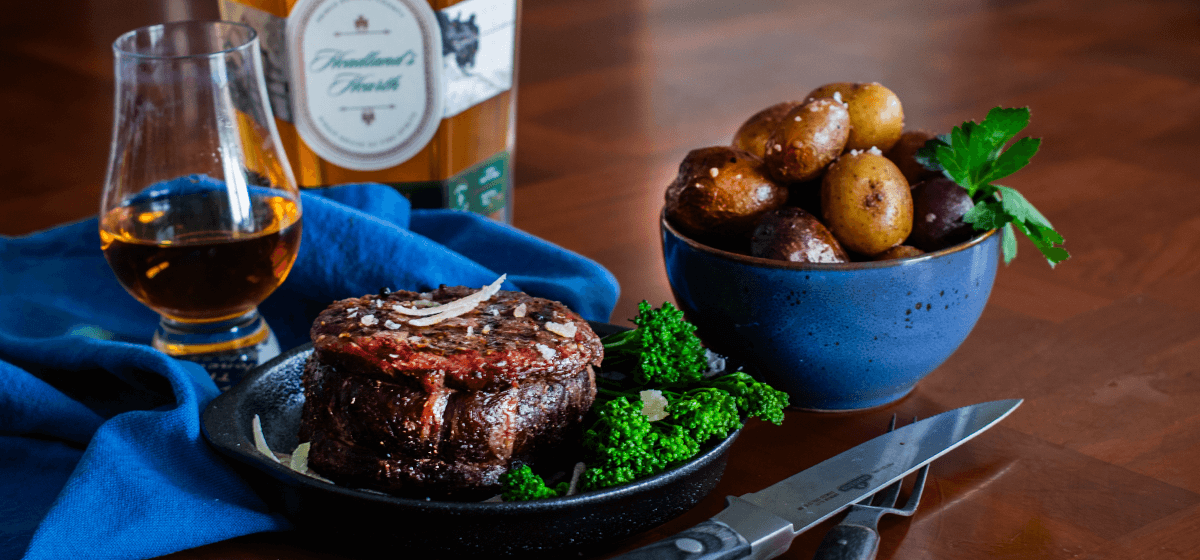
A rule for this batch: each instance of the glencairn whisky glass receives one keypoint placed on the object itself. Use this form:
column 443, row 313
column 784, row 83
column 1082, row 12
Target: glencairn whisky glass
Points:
column 200, row 215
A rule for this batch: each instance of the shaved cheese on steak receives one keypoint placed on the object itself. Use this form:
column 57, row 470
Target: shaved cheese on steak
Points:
column 567, row 330
column 469, row 302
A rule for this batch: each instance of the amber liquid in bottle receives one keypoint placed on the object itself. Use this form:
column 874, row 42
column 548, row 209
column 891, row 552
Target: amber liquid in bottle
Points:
column 461, row 142
column 173, row 258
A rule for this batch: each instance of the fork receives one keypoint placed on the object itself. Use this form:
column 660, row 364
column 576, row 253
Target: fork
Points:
column 857, row 536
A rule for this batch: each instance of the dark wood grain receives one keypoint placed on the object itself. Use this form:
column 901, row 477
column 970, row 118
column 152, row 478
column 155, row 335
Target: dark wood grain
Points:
column 1100, row 460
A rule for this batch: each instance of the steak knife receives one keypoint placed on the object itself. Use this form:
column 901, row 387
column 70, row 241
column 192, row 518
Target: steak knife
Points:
column 762, row 524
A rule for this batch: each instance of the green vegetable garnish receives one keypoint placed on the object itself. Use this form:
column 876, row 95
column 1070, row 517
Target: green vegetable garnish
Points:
column 974, row 156
column 522, row 484
column 664, row 361
column 624, row 445
column 662, row 349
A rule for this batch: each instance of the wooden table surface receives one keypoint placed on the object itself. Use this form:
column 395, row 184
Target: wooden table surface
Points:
column 1099, row 462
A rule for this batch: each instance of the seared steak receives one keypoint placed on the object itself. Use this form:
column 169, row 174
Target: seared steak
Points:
column 443, row 410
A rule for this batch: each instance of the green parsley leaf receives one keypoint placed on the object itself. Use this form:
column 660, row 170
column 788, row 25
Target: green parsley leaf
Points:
column 953, row 168
column 1008, row 243
column 1013, row 159
column 1003, row 125
column 988, row 214
column 927, row 155
column 1019, row 208
column 973, row 155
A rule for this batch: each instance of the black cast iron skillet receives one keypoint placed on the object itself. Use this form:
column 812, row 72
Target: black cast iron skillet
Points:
column 363, row 521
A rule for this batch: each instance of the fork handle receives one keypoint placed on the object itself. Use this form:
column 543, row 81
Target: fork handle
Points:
column 848, row 542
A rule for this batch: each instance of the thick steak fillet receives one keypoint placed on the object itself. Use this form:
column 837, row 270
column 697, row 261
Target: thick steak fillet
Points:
column 395, row 437
column 442, row 410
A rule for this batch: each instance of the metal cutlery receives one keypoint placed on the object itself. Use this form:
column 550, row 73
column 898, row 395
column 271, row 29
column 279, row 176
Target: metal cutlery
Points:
column 762, row 524
column 857, row 536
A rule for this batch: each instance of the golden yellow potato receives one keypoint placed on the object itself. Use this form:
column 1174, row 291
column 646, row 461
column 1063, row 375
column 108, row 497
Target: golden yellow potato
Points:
column 843, row 90
column 752, row 136
column 876, row 117
column 866, row 203
column 807, row 140
column 721, row 192
column 898, row 252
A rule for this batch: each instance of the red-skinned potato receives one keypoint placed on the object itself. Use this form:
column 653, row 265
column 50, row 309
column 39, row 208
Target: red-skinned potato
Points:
column 903, row 154
column 753, row 135
column 720, row 193
column 807, row 140
column 791, row 234
column 938, row 207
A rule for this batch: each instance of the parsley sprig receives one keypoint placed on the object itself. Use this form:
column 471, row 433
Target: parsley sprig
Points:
column 973, row 155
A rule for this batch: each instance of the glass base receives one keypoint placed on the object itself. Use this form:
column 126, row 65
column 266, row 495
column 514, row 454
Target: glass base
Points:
column 227, row 350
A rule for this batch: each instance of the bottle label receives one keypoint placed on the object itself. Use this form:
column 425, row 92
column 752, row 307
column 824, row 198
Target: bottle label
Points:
column 478, row 38
column 478, row 42
column 366, row 79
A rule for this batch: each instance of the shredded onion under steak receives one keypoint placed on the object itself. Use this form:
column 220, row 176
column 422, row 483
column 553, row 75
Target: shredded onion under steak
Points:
column 299, row 462
column 573, row 488
column 260, row 441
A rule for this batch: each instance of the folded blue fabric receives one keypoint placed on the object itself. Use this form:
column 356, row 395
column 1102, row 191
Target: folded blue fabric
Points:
column 101, row 454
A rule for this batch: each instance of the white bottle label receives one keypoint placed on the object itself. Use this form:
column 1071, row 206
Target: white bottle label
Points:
column 479, row 37
column 366, row 79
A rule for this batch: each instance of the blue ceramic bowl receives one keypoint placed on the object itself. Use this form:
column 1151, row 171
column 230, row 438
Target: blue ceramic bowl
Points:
column 833, row 336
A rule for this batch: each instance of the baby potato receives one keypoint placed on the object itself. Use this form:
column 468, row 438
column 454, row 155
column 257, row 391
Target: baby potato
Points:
column 898, row 252
column 876, row 117
column 938, row 208
column 791, row 234
column 720, row 193
column 807, row 140
column 866, row 202
column 752, row 136
column 903, row 154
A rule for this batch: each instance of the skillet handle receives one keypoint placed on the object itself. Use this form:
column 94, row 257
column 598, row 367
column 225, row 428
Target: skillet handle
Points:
column 711, row 540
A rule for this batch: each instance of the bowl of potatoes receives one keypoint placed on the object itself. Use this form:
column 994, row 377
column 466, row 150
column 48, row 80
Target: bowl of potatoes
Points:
column 817, row 251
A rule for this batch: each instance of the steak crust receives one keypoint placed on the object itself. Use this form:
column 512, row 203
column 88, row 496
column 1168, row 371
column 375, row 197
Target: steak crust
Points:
column 443, row 410
column 368, row 336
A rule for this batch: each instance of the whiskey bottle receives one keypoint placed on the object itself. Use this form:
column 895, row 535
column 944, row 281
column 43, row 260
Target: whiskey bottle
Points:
column 416, row 94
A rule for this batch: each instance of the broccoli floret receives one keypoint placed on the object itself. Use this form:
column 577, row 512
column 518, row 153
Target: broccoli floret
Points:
column 705, row 413
column 754, row 398
column 623, row 445
column 662, row 349
column 521, row 484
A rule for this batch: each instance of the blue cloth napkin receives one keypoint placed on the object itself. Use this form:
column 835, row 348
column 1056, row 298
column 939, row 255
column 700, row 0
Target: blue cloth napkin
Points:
column 101, row 454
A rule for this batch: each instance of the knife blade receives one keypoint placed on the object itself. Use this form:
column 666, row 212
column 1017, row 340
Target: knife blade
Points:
column 762, row 524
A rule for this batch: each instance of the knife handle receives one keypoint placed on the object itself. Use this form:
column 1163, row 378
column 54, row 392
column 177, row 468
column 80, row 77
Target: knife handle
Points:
column 710, row 540
column 848, row 542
